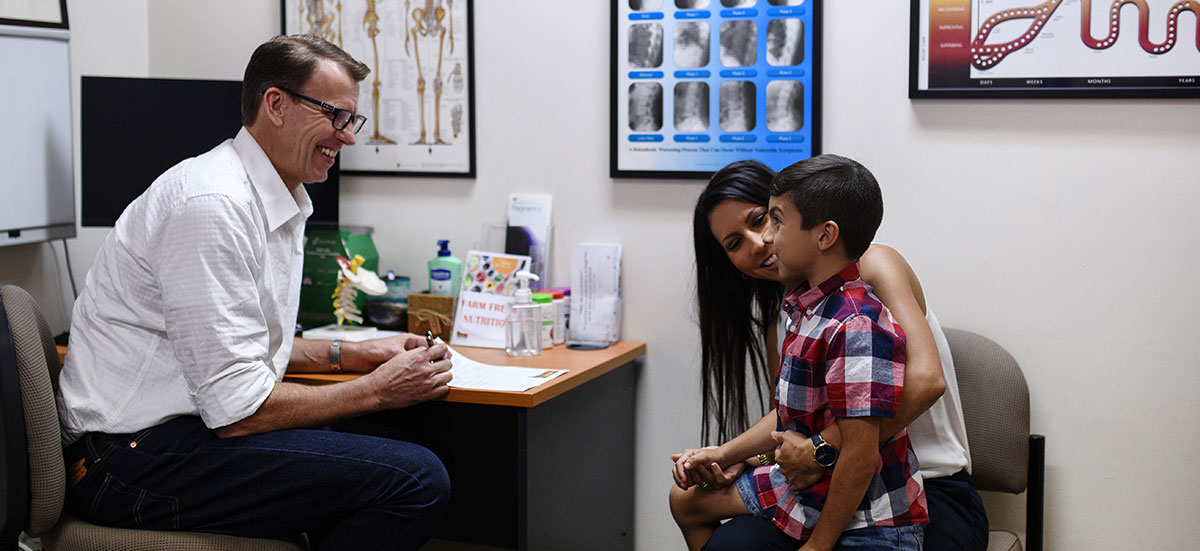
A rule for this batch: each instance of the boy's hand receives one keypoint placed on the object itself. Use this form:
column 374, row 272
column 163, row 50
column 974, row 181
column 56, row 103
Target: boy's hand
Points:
column 795, row 457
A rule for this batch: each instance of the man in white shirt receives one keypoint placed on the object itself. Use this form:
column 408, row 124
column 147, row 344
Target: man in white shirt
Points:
column 172, row 400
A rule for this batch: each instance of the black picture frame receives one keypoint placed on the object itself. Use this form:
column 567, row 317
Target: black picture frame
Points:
column 763, row 72
column 403, row 157
column 942, row 54
column 59, row 22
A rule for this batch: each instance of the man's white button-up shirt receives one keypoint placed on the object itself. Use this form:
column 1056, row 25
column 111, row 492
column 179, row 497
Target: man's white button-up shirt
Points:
column 190, row 306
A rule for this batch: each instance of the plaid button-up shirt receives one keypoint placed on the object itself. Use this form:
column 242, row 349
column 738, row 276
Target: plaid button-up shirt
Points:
column 843, row 357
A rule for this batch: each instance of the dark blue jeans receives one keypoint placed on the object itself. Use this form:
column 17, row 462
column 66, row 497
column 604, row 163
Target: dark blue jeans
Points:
column 346, row 491
column 957, row 522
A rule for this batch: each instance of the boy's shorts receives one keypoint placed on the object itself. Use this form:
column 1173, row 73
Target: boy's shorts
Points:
column 871, row 538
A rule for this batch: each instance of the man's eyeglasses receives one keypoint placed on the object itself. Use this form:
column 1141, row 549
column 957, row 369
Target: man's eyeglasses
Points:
column 341, row 117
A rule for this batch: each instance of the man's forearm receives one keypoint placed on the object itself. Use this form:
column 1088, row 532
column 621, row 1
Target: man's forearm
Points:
column 293, row 406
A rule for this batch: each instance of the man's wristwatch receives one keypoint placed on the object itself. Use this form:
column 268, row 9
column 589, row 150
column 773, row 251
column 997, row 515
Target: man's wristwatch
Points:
column 335, row 356
column 824, row 454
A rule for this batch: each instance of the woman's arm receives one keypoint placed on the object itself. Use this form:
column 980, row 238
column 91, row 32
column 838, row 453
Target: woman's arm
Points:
column 897, row 286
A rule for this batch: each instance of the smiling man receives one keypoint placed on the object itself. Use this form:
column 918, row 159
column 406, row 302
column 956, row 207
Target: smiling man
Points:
column 172, row 400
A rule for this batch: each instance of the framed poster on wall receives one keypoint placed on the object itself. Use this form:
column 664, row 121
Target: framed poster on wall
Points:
column 419, row 97
column 1054, row 49
column 698, row 84
column 34, row 13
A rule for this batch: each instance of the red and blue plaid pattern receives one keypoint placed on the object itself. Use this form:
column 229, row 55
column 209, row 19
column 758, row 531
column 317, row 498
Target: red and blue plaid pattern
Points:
column 843, row 357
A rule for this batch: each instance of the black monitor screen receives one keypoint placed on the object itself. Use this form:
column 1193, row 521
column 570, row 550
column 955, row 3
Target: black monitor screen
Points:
column 134, row 129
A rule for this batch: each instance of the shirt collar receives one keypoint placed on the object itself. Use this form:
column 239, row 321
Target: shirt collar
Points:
column 279, row 203
column 805, row 298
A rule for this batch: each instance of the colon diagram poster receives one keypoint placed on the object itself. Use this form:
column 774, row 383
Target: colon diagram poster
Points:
column 1072, row 45
column 699, row 84
column 417, row 99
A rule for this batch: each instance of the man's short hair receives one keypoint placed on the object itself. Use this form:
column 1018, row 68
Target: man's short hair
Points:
column 832, row 187
column 288, row 62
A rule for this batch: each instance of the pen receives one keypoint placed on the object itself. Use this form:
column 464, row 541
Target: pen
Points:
column 429, row 341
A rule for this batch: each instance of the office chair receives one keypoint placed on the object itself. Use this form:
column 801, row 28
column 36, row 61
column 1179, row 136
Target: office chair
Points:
column 1005, row 457
column 33, row 478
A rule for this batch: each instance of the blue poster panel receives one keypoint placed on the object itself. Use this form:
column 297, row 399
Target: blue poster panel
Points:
column 698, row 84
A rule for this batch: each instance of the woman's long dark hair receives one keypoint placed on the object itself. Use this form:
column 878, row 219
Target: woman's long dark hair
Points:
column 735, row 310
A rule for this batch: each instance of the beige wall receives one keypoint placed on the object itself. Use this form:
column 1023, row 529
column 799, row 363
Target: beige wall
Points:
column 1062, row 229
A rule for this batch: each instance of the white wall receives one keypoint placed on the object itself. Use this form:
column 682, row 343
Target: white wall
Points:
column 1060, row 229
column 107, row 39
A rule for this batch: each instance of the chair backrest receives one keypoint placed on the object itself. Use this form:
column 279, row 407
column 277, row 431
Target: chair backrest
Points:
column 995, row 402
column 37, row 371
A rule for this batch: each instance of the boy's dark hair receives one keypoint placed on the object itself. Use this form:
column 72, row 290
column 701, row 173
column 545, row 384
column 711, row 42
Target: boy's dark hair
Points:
column 832, row 187
column 288, row 62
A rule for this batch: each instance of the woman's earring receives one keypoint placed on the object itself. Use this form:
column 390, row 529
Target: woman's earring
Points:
column 744, row 276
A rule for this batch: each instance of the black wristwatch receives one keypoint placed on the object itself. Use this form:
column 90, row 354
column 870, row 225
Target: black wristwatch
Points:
column 824, row 454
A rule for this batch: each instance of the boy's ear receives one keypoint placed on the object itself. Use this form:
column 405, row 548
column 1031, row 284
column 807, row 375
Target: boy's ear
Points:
column 827, row 235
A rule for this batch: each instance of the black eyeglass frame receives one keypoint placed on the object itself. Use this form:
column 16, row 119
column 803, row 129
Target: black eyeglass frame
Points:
column 358, row 120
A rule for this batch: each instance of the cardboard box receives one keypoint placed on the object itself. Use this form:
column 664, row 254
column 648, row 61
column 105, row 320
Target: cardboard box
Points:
column 433, row 313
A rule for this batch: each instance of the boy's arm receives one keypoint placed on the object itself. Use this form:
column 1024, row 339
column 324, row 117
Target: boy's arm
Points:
column 855, row 467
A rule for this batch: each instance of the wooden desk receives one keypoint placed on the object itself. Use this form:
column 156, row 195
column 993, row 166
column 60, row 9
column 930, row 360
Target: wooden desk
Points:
column 549, row 468
column 584, row 365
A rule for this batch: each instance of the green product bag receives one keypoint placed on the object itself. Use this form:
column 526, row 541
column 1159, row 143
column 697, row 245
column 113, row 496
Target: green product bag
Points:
column 322, row 246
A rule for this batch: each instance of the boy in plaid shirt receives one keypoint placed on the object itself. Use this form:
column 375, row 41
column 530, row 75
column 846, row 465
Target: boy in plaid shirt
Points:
column 842, row 362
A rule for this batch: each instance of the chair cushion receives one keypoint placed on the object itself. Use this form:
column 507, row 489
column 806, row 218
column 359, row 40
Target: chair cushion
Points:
column 77, row 535
column 1002, row 540
column 34, row 349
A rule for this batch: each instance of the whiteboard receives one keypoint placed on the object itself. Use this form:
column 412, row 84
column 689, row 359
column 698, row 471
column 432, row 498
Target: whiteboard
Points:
column 37, row 183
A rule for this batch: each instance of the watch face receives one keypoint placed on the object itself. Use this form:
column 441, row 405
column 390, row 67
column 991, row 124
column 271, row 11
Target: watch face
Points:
column 825, row 455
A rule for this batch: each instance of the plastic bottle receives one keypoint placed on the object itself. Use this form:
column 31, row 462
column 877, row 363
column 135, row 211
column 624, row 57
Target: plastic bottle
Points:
column 546, row 301
column 445, row 271
column 560, row 316
column 523, row 330
column 564, row 315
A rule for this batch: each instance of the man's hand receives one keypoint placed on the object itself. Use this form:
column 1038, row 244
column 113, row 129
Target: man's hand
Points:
column 414, row 376
column 795, row 457
column 365, row 356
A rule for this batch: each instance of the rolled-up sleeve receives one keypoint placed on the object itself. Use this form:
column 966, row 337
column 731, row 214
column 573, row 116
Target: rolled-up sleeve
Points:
column 208, row 254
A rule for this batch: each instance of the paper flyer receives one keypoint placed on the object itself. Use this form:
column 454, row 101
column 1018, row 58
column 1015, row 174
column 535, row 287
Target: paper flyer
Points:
column 479, row 319
column 529, row 232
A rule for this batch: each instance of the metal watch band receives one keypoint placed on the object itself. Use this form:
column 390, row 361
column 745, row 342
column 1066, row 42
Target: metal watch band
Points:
column 335, row 356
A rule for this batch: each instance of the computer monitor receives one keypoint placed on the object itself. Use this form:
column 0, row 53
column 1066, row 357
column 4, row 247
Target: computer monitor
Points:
column 134, row 129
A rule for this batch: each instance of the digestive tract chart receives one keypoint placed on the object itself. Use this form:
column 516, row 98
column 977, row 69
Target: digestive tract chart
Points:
column 1047, row 39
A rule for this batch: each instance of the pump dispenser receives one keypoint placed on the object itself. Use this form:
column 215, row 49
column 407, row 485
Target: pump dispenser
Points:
column 523, row 330
column 445, row 271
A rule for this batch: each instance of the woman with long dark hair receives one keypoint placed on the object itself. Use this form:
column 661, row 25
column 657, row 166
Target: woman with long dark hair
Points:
column 738, row 297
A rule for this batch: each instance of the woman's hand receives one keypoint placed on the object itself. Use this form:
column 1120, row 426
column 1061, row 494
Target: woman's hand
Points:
column 795, row 458
column 702, row 467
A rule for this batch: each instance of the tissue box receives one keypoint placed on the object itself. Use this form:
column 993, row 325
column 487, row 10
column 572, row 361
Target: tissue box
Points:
column 434, row 313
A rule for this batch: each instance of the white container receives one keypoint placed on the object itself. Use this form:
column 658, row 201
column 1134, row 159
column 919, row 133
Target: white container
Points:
column 562, row 309
column 546, row 301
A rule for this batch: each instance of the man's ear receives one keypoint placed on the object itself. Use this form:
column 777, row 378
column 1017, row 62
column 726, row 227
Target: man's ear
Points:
column 827, row 235
column 273, row 106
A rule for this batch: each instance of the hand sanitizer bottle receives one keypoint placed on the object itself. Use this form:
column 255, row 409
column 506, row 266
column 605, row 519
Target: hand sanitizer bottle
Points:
column 523, row 330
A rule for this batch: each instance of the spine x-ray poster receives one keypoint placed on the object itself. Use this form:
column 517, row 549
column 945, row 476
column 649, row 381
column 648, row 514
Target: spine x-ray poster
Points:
column 698, row 84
